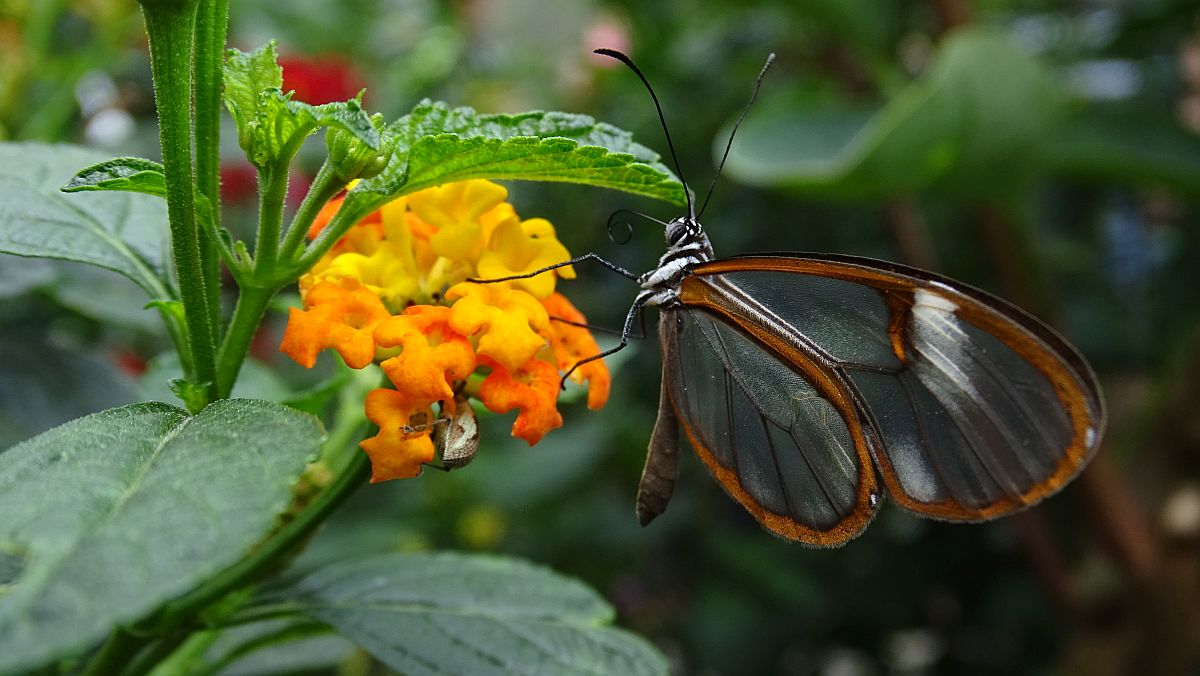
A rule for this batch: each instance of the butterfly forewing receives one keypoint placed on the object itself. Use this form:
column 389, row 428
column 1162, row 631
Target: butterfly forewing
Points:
column 776, row 441
column 971, row 407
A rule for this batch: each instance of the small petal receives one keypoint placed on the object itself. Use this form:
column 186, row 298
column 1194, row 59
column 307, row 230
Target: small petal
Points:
column 532, row 388
column 323, row 217
column 340, row 314
column 521, row 247
column 389, row 272
column 455, row 210
column 433, row 355
column 574, row 343
column 404, row 440
column 509, row 321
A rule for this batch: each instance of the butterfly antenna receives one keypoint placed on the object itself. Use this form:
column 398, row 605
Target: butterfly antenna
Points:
column 729, row 143
column 661, row 118
column 614, row 219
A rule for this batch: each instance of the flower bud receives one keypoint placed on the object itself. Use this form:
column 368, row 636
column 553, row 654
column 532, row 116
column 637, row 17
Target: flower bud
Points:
column 351, row 158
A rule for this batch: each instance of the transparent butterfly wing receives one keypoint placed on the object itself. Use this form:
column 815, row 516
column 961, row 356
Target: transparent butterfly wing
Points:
column 771, row 438
column 969, row 407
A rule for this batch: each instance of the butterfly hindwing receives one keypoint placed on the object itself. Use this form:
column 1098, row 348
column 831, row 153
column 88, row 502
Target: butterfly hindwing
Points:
column 776, row 442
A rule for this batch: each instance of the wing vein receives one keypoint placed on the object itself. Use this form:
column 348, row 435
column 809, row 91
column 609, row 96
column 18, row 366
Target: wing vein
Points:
column 989, row 365
column 783, row 486
column 972, row 435
column 726, row 367
column 923, row 433
column 954, row 374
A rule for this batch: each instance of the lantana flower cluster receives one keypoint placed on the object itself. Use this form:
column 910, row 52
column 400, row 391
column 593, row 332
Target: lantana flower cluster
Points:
column 393, row 290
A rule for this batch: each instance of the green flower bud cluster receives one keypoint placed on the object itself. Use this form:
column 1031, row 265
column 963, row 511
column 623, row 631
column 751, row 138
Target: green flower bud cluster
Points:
column 353, row 158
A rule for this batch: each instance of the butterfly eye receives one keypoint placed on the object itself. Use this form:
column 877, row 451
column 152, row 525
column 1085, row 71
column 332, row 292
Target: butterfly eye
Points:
column 676, row 231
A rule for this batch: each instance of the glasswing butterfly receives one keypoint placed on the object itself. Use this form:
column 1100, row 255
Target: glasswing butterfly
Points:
column 811, row 384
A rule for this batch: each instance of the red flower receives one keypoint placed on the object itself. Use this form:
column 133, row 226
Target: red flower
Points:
column 320, row 79
column 239, row 182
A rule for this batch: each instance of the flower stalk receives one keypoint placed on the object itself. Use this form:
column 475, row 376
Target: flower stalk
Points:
column 169, row 25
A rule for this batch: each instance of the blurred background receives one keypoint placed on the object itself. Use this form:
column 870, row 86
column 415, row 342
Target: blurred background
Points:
column 1046, row 151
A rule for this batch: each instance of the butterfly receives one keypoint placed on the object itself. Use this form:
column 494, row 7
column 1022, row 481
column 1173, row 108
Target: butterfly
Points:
column 811, row 385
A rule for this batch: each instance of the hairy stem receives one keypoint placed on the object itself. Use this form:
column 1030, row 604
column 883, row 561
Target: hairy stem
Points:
column 207, row 57
column 118, row 650
column 272, row 182
column 247, row 314
column 169, row 26
column 324, row 186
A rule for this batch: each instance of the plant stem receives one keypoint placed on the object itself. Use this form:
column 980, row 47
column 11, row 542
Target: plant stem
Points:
column 253, row 297
column 207, row 57
column 952, row 13
column 145, row 662
column 169, row 27
column 120, row 647
column 324, row 186
column 911, row 232
column 251, row 306
column 291, row 632
column 272, row 182
column 187, row 657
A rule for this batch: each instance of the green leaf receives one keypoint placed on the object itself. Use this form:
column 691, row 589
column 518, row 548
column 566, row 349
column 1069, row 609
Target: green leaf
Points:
column 246, row 76
column 271, row 125
column 969, row 124
column 283, row 124
column 1127, row 147
column 128, row 174
column 436, row 144
column 121, row 231
column 105, row 297
column 278, row 647
column 105, row 518
column 426, row 613
column 44, row 384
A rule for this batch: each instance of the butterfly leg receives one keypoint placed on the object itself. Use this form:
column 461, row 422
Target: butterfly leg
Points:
column 603, row 329
column 635, row 311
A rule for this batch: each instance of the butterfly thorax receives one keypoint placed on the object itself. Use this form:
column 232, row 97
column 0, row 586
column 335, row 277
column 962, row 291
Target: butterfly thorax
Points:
column 687, row 247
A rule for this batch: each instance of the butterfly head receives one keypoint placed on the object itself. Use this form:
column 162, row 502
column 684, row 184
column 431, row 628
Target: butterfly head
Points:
column 686, row 236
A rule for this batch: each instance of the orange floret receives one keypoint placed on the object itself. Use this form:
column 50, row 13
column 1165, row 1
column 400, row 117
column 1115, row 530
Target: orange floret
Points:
column 511, row 322
column 403, row 442
column 574, row 343
column 323, row 217
column 532, row 388
column 339, row 314
column 433, row 355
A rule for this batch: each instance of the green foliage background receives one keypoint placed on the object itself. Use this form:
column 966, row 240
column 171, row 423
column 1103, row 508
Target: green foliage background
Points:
column 1046, row 152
